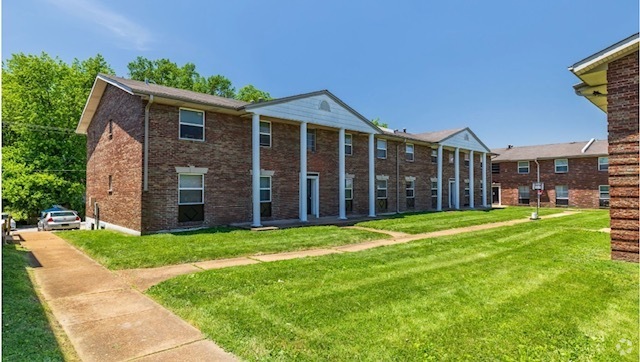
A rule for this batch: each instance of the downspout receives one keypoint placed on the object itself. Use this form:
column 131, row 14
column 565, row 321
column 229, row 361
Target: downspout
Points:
column 145, row 177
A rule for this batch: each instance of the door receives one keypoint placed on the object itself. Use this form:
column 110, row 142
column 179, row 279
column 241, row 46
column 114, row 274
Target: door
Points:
column 495, row 195
column 313, row 195
column 310, row 189
column 452, row 194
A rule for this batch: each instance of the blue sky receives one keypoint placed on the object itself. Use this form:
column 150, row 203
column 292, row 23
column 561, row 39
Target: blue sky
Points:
column 498, row 67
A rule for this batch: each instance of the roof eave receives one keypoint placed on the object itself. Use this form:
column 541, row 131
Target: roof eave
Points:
column 93, row 101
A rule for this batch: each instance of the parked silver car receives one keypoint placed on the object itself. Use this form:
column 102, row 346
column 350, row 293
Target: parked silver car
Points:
column 59, row 220
column 6, row 216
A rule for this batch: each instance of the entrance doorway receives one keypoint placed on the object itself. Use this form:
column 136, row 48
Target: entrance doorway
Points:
column 452, row 193
column 313, row 195
column 495, row 195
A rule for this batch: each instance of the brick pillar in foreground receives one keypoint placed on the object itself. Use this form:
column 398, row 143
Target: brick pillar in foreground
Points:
column 622, row 113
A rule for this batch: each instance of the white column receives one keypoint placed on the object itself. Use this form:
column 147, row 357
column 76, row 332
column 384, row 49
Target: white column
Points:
column 485, row 187
column 341, row 176
column 255, row 169
column 457, row 178
column 372, row 176
column 303, row 172
column 439, row 202
column 471, row 193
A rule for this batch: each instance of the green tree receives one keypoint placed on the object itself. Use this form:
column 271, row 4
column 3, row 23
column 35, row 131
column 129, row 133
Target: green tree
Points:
column 379, row 123
column 43, row 160
column 168, row 73
column 249, row 93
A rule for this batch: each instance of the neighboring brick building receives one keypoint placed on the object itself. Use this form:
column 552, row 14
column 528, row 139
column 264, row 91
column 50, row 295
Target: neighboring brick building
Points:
column 574, row 174
column 161, row 158
column 610, row 81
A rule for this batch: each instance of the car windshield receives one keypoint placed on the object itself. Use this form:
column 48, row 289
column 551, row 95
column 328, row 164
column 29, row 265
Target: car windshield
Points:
column 63, row 213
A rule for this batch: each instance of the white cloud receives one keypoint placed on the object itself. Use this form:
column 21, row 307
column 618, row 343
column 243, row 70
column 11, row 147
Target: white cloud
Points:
column 116, row 24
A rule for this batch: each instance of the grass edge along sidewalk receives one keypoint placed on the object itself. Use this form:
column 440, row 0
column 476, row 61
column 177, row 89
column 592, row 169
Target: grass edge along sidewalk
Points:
column 542, row 291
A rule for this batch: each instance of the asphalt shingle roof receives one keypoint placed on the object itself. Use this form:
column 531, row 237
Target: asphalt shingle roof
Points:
column 558, row 150
column 175, row 93
column 438, row 135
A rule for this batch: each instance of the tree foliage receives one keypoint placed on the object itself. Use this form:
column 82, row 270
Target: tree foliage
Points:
column 168, row 73
column 249, row 93
column 43, row 160
column 379, row 123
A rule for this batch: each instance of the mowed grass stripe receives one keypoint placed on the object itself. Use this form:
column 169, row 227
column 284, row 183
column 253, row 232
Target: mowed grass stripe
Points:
column 531, row 291
column 418, row 223
column 119, row 251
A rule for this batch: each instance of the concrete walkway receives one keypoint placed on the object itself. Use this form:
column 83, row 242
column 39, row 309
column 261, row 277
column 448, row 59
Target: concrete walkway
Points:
column 104, row 317
column 145, row 278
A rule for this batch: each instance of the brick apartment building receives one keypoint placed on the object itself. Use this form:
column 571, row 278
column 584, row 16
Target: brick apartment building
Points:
column 574, row 174
column 609, row 80
column 160, row 158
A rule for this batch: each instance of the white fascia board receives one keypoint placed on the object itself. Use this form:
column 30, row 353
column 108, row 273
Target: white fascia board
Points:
column 581, row 68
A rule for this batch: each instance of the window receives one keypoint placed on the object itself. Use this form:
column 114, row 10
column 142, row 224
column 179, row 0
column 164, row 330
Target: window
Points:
column 408, row 149
column 265, row 134
column 451, row 157
column 110, row 184
column 523, row 166
column 110, row 129
column 467, row 195
column 466, row 160
column 434, row 193
column 348, row 144
column 603, row 163
column 348, row 194
column 434, row 156
column 265, row 196
column 190, row 197
column 523, row 195
column 191, row 124
column 604, row 195
column 381, row 148
column 562, row 165
column 495, row 168
column 381, row 194
column 410, row 191
column 562, row 195
column 311, row 140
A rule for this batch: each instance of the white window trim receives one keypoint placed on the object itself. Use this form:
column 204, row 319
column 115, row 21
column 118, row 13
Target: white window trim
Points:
column 378, row 142
column 434, row 180
column 434, row 153
column 600, row 164
column 386, row 189
column 466, row 160
column 192, row 170
column 600, row 192
column 348, row 136
column 564, row 197
column 204, row 120
column 555, row 164
column 412, row 153
column 412, row 188
column 312, row 147
column 191, row 188
column 266, row 188
column 528, row 169
column 268, row 134
column 348, row 188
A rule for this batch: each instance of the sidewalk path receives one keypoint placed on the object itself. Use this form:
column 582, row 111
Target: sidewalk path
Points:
column 145, row 278
column 104, row 317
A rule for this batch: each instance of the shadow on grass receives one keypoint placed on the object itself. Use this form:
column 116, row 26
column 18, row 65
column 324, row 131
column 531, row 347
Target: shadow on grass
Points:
column 214, row 230
column 26, row 333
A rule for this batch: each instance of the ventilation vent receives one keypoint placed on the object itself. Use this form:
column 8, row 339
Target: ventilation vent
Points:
column 466, row 137
column 324, row 105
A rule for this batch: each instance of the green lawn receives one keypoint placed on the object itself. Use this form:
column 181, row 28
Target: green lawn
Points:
column 26, row 334
column 536, row 291
column 119, row 251
column 417, row 223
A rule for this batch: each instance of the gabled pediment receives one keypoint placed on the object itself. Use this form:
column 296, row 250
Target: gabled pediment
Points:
column 321, row 108
column 465, row 139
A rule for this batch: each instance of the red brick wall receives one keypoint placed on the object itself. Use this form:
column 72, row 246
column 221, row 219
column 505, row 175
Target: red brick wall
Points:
column 582, row 180
column 119, row 156
column 226, row 152
column 622, row 99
